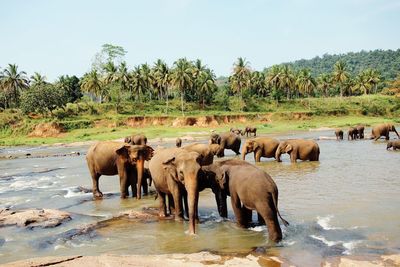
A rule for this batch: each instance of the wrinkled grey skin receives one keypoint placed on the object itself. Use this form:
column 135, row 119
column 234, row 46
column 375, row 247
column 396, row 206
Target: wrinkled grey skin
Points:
column 352, row 133
column 339, row 134
column 249, row 130
column 395, row 144
column 178, row 142
column 383, row 130
column 298, row 149
column 138, row 139
column 250, row 188
column 175, row 172
column 226, row 141
column 111, row 158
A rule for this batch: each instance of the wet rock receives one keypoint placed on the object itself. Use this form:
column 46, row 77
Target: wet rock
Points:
column 145, row 215
column 32, row 218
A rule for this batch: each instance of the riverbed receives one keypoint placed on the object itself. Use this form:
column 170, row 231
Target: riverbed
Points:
column 345, row 204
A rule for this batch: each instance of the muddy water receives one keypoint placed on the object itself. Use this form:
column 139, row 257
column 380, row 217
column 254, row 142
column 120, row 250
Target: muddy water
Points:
column 346, row 204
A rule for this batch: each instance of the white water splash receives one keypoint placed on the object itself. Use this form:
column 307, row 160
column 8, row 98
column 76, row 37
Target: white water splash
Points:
column 259, row 228
column 325, row 241
column 324, row 222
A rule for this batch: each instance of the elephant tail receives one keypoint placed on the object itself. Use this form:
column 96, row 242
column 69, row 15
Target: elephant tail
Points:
column 286, row 223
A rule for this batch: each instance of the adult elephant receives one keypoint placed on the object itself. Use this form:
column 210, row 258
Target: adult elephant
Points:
column 250, row 188
column 226, row 141
column 395, row 144
column 111, row 158
column 360, row 131
column 248, row 130
column 298, row 149
column 383, row 130
column 207, row 151
column 175, row 172
column 352, row 133
column 261, row 146
column 138, row 139
column 339, row 134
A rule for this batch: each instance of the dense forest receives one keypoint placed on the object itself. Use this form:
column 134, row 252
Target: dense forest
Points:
column 191, row 81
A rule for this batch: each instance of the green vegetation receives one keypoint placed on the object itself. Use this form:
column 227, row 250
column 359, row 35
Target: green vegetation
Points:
column 112, row 92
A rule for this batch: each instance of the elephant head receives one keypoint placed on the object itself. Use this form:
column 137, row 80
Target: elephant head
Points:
column 135, row 155
column 284, row 147
column 184, row 168
column 392, row 129
column 215, row 139
column 249, row 146
column 127, row 139
column 389, row 145
column 214, row 148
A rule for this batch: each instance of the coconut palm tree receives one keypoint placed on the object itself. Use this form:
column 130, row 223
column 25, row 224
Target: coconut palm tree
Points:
column 205, row 84
column 241, row 77
column 362, row 83
column 12, row 83
column 162, row 79
column 257, row 83
column 286, row 80
column 147, row 78
column 182, row 77
column 37, row 79
column 137, row 85
column 373, row 77
column 92, row 83
column 340, row 75
column 324, row 83
column 305, row 82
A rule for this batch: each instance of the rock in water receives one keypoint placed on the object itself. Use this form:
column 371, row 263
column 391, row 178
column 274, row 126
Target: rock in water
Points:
column 31, row 218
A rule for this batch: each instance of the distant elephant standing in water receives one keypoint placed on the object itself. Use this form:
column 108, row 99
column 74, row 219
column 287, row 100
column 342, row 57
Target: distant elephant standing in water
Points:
column 249, row 130
column 111, row 158
column 383, row 130
column 250, row 188
column 138, row 139
column 226, row 141
column 352, row 133
column 261, row 146
column 178, row 142
column 236, row 131
column 395, row 144
column 360, row 131
column 298, row 149
column 339, row 134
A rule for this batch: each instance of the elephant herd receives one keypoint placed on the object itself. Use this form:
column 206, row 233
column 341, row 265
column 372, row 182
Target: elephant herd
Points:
column 180, row 173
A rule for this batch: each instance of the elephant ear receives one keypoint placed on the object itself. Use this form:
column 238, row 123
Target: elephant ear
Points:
column 256, row 145
column 288, row 148
column 170, row 161
column 148, row 152
column 123, row 151
column 219, row 140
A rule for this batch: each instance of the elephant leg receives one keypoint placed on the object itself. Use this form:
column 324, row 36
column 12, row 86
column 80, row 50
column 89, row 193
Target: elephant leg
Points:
column 185, row 203
column 177, row 196
column 247, row 215
column 257, row 156
column 132, row 181
column 237, row 209
column 260, row 219
column 171, row 204
column 123, row 185
column 387, row 136
column 145, row 186
column 271, row 219
column 95, row 180
column 293, row 157
column 163, row 208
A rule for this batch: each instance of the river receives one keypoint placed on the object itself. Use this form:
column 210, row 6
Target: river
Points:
column 346, row 204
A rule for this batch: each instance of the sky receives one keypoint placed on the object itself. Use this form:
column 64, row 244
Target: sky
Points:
column 59, row 37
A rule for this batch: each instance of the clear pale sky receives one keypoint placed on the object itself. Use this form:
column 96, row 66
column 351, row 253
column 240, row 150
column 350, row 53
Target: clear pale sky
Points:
column 56, row 37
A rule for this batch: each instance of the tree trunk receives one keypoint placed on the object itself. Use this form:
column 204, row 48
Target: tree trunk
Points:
column 166, row 95
column 182, row 103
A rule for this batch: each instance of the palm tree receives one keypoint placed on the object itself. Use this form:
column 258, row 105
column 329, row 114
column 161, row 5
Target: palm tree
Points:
column 340, row 74
column 240, row 79
column 147, row 78
column 324, row 83
column 257, row 83
column 305, row 82
column 162, row 77
column 205, row 84
column 12, row 83
column 286, row 79
column 37, row 79
column 362, row 83
column 373, row 77
column 136, row 84
column 182, row 77
column 92, row 83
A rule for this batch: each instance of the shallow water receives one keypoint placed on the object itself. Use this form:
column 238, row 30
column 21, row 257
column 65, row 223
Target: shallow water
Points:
column 346, row 204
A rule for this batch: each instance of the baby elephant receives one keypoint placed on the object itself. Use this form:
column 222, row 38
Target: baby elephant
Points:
column 248, row 130
column 339, row 134
column 298, row 149
column 395, row 144
column 138, row 139
column 261, row 146
column 250, row 188
column 178, row 142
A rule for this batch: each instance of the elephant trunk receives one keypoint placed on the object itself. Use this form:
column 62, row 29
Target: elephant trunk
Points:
column 394, row 129
column 140, row 170
column 244, row 153
column 193, row 197
column 278, row 155
column 220, row 197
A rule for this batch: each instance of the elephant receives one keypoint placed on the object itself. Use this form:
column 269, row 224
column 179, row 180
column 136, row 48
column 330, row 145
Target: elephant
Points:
column 175, row 172
column 360, row 131
column 138, row 139
column 178, row 142
column 352, row 133
column 248, row 130
column 146, row 181
column 298, row 149
column 339, row 134
column 395, row 144
column 111, row 158
column 236, row 131
column 206, row 151
column 383, row 130
column 250, row 188
column 261, row 146
column 226, row 141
